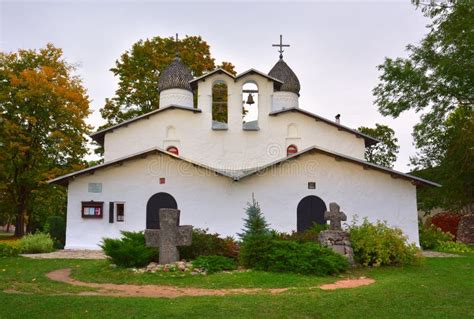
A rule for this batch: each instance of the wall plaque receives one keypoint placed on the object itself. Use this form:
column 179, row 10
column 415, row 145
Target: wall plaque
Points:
column 94, row 187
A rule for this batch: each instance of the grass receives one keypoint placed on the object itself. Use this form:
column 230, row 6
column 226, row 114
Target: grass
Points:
column 441, row 288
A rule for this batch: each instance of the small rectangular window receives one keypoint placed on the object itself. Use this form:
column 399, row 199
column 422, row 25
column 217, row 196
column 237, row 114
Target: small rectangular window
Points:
column 92, row 209
column 120, row 212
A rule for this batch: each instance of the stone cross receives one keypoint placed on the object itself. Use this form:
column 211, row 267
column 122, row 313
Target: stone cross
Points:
column 169, row 236
column 335, row 217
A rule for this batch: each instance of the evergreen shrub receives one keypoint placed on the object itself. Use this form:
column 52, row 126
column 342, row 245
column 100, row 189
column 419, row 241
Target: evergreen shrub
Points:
column 130, row 250
column 212, row 264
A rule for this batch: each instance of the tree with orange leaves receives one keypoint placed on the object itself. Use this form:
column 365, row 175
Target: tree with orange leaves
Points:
column 43, row 107
column 138, row 71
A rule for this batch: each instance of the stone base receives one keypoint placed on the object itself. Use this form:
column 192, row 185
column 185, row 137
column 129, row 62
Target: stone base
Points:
column 338, row 241
column 466, row 230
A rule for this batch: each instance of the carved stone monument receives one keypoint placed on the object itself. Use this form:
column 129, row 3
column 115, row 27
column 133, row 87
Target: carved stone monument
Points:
column 466, row 229
column 169, row 236
column 335, row 238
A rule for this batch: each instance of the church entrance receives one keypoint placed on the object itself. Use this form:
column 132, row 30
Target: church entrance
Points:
column 155, row 203
column 310, row 210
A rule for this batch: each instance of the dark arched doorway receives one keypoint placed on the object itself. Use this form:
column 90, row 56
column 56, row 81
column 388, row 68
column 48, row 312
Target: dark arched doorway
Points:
column 155, row 203
column 310, row 210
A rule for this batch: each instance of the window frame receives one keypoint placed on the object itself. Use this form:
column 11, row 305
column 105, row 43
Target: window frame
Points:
column 168, row 149
column 117, row 212
column 292, row 147
column 92, row 204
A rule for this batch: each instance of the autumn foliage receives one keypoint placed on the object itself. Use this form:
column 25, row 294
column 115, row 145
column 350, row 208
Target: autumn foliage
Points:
column 448, row 222
column 138, row 71
column 43, row 106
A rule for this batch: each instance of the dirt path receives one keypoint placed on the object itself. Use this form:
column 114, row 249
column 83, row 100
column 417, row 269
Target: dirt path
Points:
column 348, row 283
column 64, row 275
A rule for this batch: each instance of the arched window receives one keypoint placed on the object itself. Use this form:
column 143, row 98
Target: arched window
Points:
column 219, row 105
column 173, row 149
column 292, row 130
column 292, row 149
column 170, row 133
column 250, row 106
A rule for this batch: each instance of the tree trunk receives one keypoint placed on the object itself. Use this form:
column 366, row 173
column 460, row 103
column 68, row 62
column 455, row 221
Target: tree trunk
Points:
column 20, row 225
column 21, row 214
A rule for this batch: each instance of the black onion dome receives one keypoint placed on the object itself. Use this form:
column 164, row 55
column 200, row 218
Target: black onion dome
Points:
column 282, row 72
column 175, row 76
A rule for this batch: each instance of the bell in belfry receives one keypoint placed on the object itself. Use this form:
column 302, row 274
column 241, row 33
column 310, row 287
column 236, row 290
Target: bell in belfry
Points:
column 250, row 100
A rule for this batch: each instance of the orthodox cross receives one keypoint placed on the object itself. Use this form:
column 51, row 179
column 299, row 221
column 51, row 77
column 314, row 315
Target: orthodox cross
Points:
column 169, row 236
column 335, row 216
column 281, row 45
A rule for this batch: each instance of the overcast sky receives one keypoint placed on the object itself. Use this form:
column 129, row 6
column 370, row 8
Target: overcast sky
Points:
column 335, row 46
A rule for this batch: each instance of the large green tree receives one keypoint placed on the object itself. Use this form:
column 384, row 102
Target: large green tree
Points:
column 385, row 152
column 139, row 69
column 437, row 79
column 43, row 106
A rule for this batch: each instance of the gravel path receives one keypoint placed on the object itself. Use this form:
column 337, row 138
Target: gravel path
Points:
column 69, row 254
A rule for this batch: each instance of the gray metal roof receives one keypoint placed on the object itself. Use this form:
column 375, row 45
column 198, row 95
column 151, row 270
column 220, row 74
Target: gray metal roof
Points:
column 283, row 72
column 237, row 175
column 338, row 156
column 99, row 136
column 369, row 140
column 64, row 180
column 175, row 76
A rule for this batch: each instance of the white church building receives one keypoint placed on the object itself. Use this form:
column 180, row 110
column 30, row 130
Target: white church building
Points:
column 217, row 139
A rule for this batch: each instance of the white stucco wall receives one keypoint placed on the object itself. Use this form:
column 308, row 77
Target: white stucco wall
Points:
column 232, row 148
column 215, row 202
column 178, row 97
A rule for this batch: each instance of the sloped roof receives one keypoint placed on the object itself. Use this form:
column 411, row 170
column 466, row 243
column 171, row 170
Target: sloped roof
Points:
column 99, row 135
column 64, row 180
column 203, row 77
column 342, row 157
column 237, row 175
column 369, row 140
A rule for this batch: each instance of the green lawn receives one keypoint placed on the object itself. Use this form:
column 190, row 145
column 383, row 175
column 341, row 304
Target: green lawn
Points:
column 441, row 288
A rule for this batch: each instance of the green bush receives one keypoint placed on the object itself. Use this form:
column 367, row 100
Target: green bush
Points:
column 214, row 263
column 8, row 250
column 453, row 247
column 377, row 244
column 130, row 250
column 254, row 250
column 56, row 227
column 310, row 235
column 36, row 243
column 205, row 244
column 431, row 236
column 256, row 237
column 306, row 258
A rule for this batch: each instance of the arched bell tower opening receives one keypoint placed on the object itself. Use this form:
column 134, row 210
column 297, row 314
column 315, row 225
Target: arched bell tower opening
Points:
column 250, row 106
column 219, row 105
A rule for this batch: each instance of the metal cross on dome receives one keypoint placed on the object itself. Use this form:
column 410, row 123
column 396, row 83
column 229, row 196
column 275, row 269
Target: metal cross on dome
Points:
column 281, row 45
